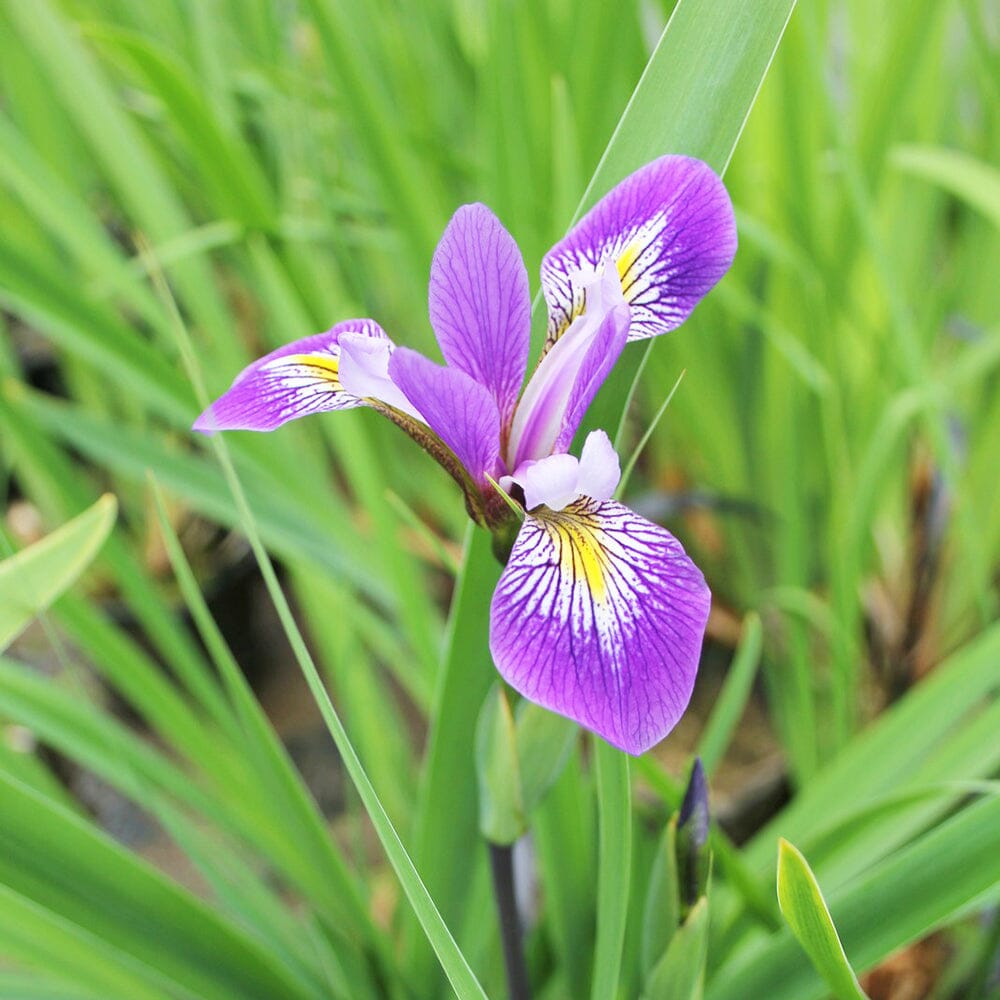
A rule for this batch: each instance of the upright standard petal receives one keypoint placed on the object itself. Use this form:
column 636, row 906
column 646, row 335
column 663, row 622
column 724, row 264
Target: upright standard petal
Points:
column 599, row 616
column 670, row 231
column 456, row 407
column 301, row 378
column 601, row 358
column 480, row 307
column 568, row 377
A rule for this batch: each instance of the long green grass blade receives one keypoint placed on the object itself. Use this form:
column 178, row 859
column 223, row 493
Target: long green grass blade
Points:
column 938, row 878
column 680, row 973
column 682, row 104
column 108, row 893
column 733, row 698
column 803, row 906
column 43, row 940
column 883, row 759
column 32, row 579
column 698, row 87
column 285, row 794
column 456, row 967
column 444, row 836
column 966, row 177
column 614, row 867
column 452, row 960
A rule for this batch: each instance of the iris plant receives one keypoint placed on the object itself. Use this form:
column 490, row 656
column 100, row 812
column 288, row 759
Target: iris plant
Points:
column 599, row 614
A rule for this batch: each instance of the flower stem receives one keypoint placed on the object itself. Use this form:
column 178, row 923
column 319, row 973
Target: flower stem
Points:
column 502, row 867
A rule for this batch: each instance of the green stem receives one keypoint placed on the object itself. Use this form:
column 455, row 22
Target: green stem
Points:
column 614, row 866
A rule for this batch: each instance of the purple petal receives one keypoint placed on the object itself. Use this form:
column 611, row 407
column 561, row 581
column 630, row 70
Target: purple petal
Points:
column 669, row 230
column 567, row 379
column 600, row 616
column 600, row 359
column 480, row 307
column 455, row 406
column 301, row 378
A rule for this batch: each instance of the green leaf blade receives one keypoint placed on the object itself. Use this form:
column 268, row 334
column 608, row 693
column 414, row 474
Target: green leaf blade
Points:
column 680, row 973
column 614, row 866
column 31, row 580
column 804, row 908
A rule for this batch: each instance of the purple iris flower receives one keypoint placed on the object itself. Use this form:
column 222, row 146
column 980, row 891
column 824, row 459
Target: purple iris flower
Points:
column 599, row 614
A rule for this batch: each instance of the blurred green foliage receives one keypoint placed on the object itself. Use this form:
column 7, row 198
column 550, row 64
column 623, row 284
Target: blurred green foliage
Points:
column 827, row 459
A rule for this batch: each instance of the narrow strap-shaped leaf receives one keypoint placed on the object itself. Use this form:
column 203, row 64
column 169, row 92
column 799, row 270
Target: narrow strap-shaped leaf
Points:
column 733, row 697
column 454, row 963
column 106, row 893
column 682, row 104
column 972, row 180
column 931, row 881
column 32, row 579
column 614, row 866
column 804, row 908
column 680, row 973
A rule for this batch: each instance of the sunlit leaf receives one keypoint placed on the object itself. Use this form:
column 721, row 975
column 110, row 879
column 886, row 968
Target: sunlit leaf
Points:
column 804, row 908
column 31, row 580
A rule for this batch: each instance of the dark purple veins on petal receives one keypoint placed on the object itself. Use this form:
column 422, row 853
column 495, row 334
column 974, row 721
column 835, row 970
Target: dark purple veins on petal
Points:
column 599, row 616
column 480, row 305
column 457, row 408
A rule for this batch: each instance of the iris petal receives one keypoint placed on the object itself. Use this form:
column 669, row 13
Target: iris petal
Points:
column 364, row 372
column 670, row 231
column 604, row 352
column 552, row 481
column 600, row 470
column 456, row 407
column 568, row 377
column 599, row 616
column 557, row 480
column 296, row 380
column 479, row 303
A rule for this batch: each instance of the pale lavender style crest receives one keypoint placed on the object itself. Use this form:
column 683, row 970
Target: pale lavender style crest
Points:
column 599, row 614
